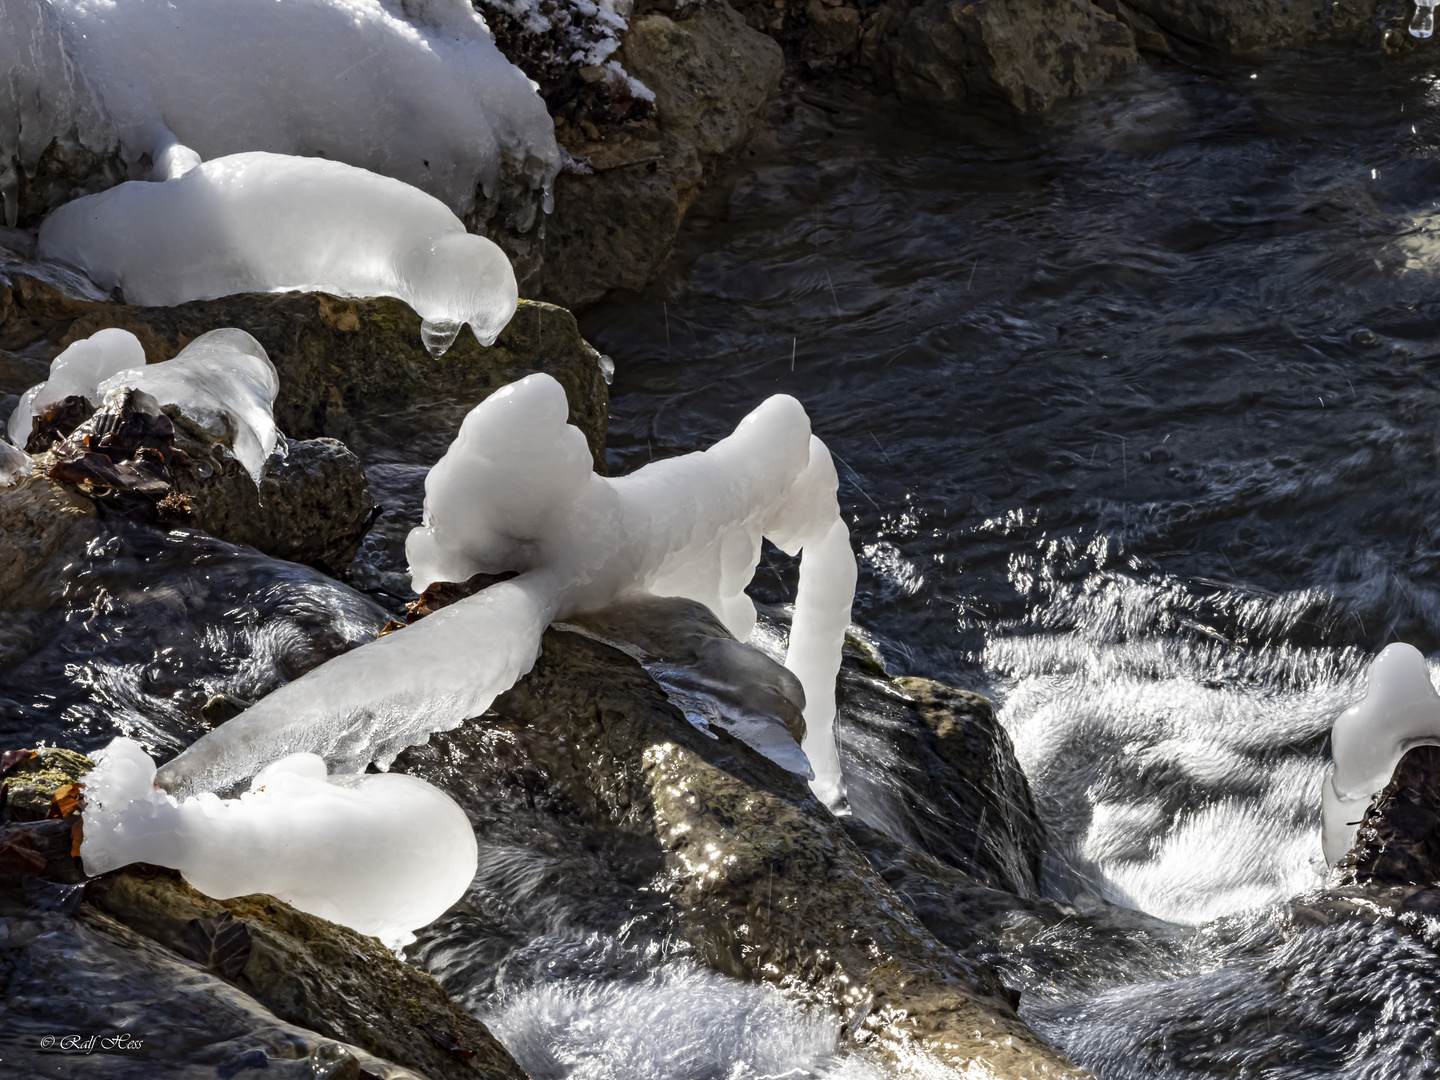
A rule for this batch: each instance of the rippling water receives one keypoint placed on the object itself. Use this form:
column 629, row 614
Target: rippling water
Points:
column 1137, row 424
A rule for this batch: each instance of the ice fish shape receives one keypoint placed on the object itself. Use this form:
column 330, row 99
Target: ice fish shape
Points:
column 261, row 222
column 382, row 854
column 224, row 383
column 516, row 491
column 1400, row 710
column 76, row 372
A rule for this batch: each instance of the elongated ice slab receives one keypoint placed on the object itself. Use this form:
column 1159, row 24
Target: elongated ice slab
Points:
column 382, row 854
column 76, row 372
column 414, row 89
column 223, row 383
column 516, row 492
column 262, row 222
column 1400, row 710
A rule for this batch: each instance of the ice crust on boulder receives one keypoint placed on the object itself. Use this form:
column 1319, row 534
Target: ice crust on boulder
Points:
column 382, row 854
column 44, row 96
column 262, row 222
column 224, row 384
column 516, row 492
column 413, row 89
column 77, row 372
column 1400, row 710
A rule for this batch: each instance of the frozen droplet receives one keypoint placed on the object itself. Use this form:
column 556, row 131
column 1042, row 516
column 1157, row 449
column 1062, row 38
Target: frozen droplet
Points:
column 607, row 369
column 1423, row 24
column 438, row 335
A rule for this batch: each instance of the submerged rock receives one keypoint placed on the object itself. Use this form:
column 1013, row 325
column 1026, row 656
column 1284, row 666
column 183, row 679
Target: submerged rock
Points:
column 699, row 839
column 313, row 973
column 932, row 768
column 40, row 519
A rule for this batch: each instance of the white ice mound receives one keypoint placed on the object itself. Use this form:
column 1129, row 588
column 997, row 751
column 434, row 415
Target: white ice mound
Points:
column 270, row 223
column 414, row 89
column 516, row 492
column 1400, row 710
column 382, row 854
column 222, row 382
column 77, row 372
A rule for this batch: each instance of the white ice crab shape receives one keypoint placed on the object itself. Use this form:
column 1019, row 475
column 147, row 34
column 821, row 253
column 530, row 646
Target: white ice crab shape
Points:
column 222, row 381
column 260, row 222
column 1400, row 710
column 77, row 372
column 383, row 854
column 516, row 491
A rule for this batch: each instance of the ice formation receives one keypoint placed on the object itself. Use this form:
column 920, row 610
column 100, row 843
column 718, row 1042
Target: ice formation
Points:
column 383, row 854
column 15, row 465
column 1400, row 710
column 516, row 492
column 1423, row 24
column 77, row 372
column 224, row 384
column 413, row 89
column 263, row 222
column 43, row 96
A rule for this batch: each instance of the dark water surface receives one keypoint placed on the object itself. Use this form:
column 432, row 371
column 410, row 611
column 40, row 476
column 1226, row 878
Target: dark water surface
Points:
column 1137, row 419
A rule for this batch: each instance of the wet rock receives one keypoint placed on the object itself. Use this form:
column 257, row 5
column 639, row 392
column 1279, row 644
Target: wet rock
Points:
column 617, row 214
column 334, row 355
column 991, row 52
column 312, row 505
column 1250, row 27
column 711, row 74
column 614, row 225
column 39, row 519
column 931, row 767
column 150, row 1011
column 1398, row 842
column 312, row 973
column 736, row 858
column 31, row 778
column 67, row 169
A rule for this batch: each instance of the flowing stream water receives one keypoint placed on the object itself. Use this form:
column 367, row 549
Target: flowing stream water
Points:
column 1136, row 419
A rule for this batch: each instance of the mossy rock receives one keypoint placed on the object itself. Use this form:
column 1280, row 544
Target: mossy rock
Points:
column 312, row 972
column 30, row 785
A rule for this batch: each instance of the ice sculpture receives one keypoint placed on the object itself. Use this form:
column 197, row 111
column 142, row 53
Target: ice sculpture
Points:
column 414, row 89
column 223, row 383
column 1400, row 710
column 1423, row 24
column 516, row 492
column 383, row 854
column 76, row 372
column 263, row 222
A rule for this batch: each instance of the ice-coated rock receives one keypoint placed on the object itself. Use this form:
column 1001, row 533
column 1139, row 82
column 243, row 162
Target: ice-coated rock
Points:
column 382, row 854
column 223, row 383
column 261, row 222
column 516, row 492
column 1400, row 710
column 413, row 89
column 77, row 372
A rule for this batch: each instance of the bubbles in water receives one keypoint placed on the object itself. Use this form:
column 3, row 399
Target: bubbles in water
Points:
column 1423, row 24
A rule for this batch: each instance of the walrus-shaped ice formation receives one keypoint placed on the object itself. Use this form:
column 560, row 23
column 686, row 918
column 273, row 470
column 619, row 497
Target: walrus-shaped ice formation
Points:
column 382, row 854
column 516, row 491
column 1400, row 710
column 261, row 222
